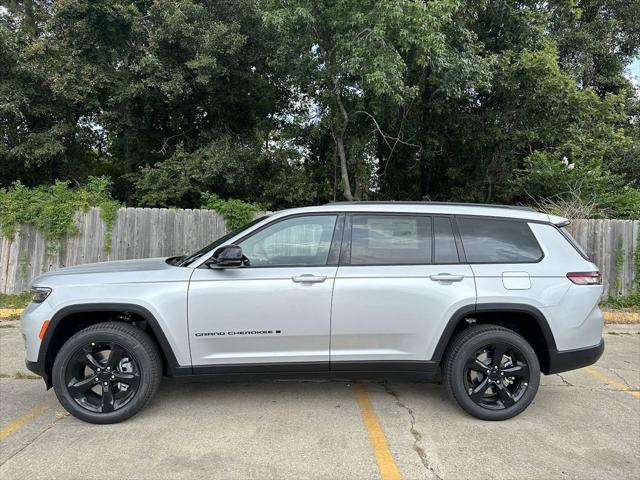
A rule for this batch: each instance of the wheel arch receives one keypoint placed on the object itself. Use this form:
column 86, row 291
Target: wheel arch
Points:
column 55, row 334
column 524, row 319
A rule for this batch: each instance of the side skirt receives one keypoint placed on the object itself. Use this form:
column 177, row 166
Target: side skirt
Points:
column 427, row 370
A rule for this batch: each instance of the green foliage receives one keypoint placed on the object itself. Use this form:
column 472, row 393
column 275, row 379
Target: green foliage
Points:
column 236, row 213
column 554, row 176
column 631, row 301
column 51, row 209
column 14, row 300
column 287, row 103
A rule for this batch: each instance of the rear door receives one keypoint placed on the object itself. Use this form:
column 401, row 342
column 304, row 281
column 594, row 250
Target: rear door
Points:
column 400, row 280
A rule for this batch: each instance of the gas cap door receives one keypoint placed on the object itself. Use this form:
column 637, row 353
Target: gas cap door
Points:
column 516, row 280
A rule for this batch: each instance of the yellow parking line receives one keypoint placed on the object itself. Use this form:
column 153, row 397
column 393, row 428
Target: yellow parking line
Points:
column 614, row 383
column 20, row 422
column 386, row 464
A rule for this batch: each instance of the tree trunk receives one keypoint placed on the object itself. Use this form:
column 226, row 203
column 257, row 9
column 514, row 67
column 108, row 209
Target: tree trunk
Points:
column 346, row 185
column 425, row 171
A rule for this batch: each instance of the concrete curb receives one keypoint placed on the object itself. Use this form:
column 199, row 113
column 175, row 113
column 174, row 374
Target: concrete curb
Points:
column 616, row 316
column 10, row 312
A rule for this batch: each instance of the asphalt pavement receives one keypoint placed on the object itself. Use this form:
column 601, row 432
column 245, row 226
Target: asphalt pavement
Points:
column 583, row 424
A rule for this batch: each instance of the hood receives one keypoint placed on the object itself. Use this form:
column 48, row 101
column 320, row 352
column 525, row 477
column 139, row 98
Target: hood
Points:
column 120, row 268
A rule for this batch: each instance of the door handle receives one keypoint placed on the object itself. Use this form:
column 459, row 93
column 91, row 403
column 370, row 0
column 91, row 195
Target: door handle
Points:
column 308, row 278
column 446, row 277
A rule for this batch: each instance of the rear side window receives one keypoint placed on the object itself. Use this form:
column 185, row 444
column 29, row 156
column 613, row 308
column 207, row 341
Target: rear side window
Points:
column 489, row 240
column 390, row 240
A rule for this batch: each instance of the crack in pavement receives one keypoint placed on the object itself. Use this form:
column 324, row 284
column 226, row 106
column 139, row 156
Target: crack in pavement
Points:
column 564, row 380
column 628, row 385
column 59, row 417
column 417, row 436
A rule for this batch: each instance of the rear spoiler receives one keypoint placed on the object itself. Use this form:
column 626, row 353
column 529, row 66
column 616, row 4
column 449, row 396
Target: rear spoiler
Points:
column 559, row 221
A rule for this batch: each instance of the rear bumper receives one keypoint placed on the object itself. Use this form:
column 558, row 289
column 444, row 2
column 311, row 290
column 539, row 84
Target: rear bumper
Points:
column 562, row 361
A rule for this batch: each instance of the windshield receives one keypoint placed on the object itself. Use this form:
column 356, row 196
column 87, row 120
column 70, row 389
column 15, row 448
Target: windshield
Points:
column 194, row 256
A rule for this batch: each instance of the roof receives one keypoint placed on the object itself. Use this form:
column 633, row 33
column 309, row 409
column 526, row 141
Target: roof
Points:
column 506, row 211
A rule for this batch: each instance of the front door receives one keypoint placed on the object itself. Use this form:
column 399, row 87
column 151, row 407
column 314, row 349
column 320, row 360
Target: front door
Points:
column 276, row 310
column 400, row 280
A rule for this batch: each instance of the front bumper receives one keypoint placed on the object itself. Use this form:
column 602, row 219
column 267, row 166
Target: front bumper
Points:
column 38, row 369
column 562, row 361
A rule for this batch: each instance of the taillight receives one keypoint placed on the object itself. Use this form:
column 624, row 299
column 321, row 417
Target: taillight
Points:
column 585, row 278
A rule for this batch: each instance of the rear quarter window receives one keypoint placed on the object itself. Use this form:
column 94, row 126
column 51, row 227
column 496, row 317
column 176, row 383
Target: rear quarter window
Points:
column 567, row 235
column 488, row 240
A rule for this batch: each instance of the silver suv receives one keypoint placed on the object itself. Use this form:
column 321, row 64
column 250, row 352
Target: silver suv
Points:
column 485, row 296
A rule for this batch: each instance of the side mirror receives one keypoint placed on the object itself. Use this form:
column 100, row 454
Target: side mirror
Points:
column 227, row 256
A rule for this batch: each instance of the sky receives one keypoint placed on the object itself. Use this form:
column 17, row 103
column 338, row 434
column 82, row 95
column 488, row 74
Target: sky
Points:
column 634, row 70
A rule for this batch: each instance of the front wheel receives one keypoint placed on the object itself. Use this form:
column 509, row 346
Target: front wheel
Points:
column 491, row 372
column 107, row 372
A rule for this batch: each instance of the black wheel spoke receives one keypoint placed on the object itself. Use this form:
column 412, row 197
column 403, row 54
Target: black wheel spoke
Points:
column 479, row 390
column 499, row 350
column 117, row 352
column 476, row 365
column 90, row 360
column 80, row 387
column 505, row 396
column 108, row 401
column 131, row 379
column 520, row 371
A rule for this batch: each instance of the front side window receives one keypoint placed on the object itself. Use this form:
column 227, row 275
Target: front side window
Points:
column 297, row 241
column 182, row 261
column 487, row 240
column 390, row 240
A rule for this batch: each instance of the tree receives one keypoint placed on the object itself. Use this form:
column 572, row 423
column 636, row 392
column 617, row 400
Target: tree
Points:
column 361, row 62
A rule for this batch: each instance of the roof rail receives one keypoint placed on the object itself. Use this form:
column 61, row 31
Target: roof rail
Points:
column 412, row 202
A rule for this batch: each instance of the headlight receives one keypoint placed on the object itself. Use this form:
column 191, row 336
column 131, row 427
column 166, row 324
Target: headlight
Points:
column 39, row 294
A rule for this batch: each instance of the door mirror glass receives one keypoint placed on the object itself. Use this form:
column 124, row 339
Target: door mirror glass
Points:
column 228, row 256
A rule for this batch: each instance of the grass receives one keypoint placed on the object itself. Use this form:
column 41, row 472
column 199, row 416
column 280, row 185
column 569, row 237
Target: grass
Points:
column 14, row 300
column 20, row 376
column 624, row 302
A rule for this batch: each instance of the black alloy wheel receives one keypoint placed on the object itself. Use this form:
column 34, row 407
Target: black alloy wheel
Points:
column 102, row 377
column 492, row 372
column 496, row 376
column 107, row 372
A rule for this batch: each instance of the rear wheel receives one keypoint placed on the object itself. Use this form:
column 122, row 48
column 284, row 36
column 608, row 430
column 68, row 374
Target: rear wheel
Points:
column 107, row 372
column 492, row 372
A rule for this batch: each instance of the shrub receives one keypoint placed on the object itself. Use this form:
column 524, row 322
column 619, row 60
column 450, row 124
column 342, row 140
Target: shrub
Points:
column 236, row 213
column 51, row 208
column 552, row 178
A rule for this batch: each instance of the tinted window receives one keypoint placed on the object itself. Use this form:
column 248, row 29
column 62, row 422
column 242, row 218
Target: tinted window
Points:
column 298, row 241
column 574, row 242
column 445, row 250
column 390, row 239
column 498, row 241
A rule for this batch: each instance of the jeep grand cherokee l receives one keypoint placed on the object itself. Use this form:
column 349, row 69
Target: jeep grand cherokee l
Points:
column 487, row 297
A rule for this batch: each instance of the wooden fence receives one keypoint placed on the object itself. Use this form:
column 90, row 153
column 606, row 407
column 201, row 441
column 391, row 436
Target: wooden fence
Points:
column 612, row 245
column 153, row 232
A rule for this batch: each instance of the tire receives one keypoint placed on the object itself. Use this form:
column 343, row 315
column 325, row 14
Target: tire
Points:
column 486, row 388
column 107, row 372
